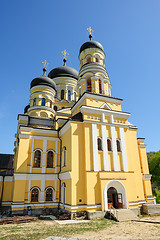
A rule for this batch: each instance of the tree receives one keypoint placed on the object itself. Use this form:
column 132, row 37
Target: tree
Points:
column 154, row 167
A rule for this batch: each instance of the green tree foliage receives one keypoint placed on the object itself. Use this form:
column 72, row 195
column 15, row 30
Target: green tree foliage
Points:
column 157, row 195
column 154, row 167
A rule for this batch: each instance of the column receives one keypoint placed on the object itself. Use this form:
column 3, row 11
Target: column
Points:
column 114, row 149
column 32, row 155
column 123, row 148
column 104, row 147
column 42, row 188
column 56, row 170
column 95, row 147
column 44, row 156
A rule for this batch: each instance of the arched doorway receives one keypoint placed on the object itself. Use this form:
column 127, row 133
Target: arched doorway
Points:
column 114, row 198
column 115, row 195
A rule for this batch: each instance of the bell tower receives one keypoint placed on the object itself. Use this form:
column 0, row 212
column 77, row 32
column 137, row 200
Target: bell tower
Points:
column 93, row 76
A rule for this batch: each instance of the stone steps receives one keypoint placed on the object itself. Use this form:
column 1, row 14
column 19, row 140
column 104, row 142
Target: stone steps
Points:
column 123, row 215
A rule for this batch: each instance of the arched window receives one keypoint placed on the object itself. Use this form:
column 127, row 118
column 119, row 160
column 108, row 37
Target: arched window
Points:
column 75, row 96
column 34, row 195
column 50, row 104
column 55, row 108
column 97, row 59
column 37, row 158
column 89, row 86
column 109, row 145
column 63, row 194
column 43, row 102
column 79, row 91
column 118, row 145
column 34, row 102
column 99, row 142
column 64, row 157
column 50, row 159
column 62, row 94
column 49, row 194
column 100, row 86
column 88, row 59
column 69, row 95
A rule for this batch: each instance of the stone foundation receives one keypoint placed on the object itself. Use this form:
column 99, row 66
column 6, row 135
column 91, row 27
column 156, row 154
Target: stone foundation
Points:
column 151, row 209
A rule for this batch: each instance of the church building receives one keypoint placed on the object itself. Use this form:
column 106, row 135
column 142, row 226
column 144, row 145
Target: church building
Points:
column 75, row 148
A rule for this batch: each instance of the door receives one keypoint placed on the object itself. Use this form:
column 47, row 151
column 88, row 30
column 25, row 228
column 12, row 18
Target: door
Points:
column 112, row 196
column 120, row 202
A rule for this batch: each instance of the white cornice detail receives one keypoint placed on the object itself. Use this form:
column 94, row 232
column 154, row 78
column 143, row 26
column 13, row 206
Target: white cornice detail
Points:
column 64, row 128
column 36, row 176
column 107, row 112
column 29, row 129
column 65, row 175
column 97, row 97
column 42, row 86
column 41, row 108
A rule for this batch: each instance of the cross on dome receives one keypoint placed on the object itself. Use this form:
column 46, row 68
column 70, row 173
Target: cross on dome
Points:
column 90, row 30
column 65, row 56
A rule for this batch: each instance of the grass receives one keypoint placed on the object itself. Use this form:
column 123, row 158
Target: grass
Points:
column 43, row 229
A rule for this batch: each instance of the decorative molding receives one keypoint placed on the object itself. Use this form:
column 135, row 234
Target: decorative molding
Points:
column 64, row 128
column 95, row 147
column 35, row 176
column 146, row 176
column 65, row 175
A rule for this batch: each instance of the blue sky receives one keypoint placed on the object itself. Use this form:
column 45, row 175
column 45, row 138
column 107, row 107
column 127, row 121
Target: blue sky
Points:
column 32, row 31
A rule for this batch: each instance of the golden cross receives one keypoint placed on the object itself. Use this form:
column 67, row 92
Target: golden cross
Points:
column 90, row 30
column 45, row 64
column 65, row 54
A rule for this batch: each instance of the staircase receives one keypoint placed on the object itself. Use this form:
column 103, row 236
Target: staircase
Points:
column 123, row 215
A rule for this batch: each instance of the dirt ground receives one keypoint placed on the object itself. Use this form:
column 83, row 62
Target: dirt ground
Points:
column 94, row 229
column 127, row 230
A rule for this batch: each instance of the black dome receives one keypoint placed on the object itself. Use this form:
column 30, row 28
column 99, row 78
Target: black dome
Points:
column 43, row 80
column 91, row 44
column 63, row 71
column 26, row 108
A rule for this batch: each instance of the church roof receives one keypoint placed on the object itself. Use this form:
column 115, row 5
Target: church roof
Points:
column 63, row 71
column 43, row 80
column 91, row 44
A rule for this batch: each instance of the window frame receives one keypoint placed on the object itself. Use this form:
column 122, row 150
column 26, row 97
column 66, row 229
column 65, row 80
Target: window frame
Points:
column 39, row 165
column 110, row 142
column 38, row 190
column 62, row 91
column 43, row 102
column 50, row 150
column 99, row 144
column 118, row 144
column 50, row 199
column 64, row 156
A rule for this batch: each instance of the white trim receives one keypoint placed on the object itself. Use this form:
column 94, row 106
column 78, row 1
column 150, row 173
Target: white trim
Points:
column 14, row 205
column 95, row 147
column 28, row 136
column 6, row 203
column 105, row 105
column 97, row 97
column 32, row 155
column 65, row 128
column 7, row 179
column 29, row 193
column 41, row 108
column 30, row 129
column 44, row 156
column 107, row 112
column 80, row 206
column 114, row 149
column 146, row 176
column 136, row 203
column 104, row 147
column 64, row 175
column 123, row 148
column 35, row 176
column 64, row 110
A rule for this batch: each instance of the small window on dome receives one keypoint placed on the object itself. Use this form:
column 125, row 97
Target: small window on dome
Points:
column 34, row 102
column 69, row 95
column 88, row 59
column 55, row 108
column 97, row 59
column 62, row 94
column 43, row 102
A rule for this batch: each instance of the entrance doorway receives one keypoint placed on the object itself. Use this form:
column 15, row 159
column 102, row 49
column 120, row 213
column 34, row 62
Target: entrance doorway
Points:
column 114, row 198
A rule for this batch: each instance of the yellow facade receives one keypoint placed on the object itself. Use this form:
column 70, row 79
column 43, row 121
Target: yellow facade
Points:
column 75, row 148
